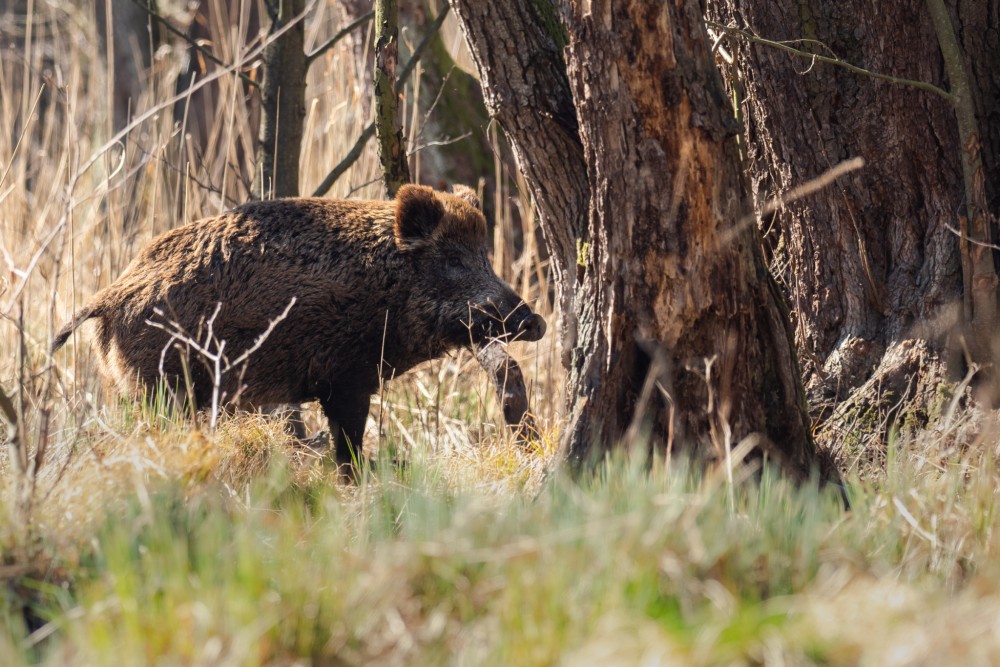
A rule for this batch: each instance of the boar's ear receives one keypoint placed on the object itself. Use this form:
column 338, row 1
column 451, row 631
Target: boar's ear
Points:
column 418, row 212
column 467, row 194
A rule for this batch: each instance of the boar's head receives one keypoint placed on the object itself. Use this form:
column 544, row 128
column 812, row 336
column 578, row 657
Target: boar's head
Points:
column 456, row 294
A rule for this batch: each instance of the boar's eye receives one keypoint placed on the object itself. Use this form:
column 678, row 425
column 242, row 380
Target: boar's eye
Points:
column 454, row 262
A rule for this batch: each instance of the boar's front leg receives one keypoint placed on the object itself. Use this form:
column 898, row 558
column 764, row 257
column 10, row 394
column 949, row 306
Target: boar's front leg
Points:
column 509, row 383
column 347, row 415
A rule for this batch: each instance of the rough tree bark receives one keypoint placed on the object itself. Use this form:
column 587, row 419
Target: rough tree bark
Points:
column 872, row 269
column 517, row 49
column 678, row 327
column 283, row 106
column 388, row 128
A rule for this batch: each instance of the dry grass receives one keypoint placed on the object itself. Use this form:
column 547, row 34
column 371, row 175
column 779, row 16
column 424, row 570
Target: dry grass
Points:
column 146, row 537
column 77, row 207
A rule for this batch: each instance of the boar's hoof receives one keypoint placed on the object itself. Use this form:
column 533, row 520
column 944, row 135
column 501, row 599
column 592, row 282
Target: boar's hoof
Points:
column 318, row 443
column 527, row 430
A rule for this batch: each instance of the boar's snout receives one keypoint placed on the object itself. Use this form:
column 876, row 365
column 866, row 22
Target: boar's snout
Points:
column 531, row 328
column 512, row 320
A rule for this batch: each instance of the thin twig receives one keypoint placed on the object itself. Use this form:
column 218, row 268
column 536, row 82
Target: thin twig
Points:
column 439, row 142
column 966, row 237
column 340, row 34
column 214, row 189
column 24, row 131
column 796, row 193
column 432, row 30
column 812, row 185
column 784, row 46
column 355, row 188
column 346, row 163
column 261, row 338
column 213, row 360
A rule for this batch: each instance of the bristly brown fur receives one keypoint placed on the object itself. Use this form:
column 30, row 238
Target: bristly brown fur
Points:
column 463, row 220
column 418, row 213
column 378, row 286
column 423, row 217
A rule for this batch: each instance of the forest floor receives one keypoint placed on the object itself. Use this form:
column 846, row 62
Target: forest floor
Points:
column 134, row 535
column 161, row 543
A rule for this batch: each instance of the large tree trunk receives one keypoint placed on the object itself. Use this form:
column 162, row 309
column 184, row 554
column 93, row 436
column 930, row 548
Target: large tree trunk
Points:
column 873, row 271
column 517, row 50
column 672, row 320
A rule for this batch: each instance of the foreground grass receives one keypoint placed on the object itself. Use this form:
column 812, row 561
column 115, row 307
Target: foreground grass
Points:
column 248, row 554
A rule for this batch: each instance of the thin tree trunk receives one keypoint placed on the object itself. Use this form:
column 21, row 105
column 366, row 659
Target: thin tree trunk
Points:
column 283, row 106
column 978, row 24
column 388, row 128
column 679, row 331
column 978, row 271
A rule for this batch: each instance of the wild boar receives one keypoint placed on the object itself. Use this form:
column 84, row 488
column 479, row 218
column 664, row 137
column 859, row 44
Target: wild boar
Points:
column 369, row 289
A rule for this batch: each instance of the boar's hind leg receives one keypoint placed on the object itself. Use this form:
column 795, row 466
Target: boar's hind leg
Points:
column 347, row 419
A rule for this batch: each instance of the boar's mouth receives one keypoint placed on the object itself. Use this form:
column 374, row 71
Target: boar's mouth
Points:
column 519, row 324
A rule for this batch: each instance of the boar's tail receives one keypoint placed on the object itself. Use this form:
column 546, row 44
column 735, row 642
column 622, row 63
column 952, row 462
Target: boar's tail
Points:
column 81, row 316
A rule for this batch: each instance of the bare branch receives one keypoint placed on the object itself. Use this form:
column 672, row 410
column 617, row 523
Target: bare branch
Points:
column 796, row 193
column 191, row 42
column 340, row 34
column 832, row 60
column 261, row 338
column 812, row 185
column 24, row 130
column 213, row 360
column 346, row 163
column 440, row 142
column 432, row 30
